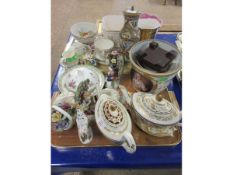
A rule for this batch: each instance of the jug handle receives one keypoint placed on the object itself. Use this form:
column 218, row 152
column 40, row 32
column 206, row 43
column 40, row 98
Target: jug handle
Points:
column 128, row 143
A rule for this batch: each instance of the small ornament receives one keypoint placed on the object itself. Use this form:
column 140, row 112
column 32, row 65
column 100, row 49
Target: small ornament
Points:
column 114, row 70
column 81, row 90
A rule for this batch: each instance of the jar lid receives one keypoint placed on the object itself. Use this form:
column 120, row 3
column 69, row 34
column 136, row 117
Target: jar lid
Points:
column 132, row 12
column 155, row 109
column 112, row 118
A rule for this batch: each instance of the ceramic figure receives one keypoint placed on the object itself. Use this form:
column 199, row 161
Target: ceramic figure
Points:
column 83, row 101
column 114, row 70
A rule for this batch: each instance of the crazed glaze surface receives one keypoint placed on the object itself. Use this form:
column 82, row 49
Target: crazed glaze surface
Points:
column 158, row 112
column 114, row 122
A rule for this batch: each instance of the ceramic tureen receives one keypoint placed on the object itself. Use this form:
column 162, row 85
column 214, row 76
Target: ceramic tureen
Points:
column 154, row 114
column 114, row 122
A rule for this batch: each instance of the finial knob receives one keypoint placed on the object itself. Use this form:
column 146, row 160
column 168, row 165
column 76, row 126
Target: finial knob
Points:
column 159, row 97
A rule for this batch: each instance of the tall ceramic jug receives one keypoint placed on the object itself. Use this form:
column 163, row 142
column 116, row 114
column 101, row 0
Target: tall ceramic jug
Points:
column 130, row 33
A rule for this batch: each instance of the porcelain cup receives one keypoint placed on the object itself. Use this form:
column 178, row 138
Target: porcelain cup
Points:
column 103, row 47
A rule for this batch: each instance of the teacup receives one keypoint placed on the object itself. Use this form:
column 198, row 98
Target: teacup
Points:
column 149, row 26
column 103, row 47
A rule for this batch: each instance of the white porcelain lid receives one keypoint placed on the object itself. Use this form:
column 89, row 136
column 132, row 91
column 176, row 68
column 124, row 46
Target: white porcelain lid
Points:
column 112, row 118
column 70, row 79
column 158, row 112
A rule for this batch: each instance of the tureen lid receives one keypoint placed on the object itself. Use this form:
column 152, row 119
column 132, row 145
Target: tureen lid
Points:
column 155, row 109
column 112, row 118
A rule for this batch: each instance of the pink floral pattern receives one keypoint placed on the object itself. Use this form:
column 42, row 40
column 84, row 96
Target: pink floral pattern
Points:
column 72, row 84
column 146, row 16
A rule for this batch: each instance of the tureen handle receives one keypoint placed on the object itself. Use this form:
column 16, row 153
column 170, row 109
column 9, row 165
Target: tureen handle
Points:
column 128, row 143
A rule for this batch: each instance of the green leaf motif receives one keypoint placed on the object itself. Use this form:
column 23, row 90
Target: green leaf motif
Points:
column 72, row 59
column 162, row 79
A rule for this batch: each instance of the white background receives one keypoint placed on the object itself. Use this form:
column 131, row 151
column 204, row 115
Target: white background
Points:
column 25, row 89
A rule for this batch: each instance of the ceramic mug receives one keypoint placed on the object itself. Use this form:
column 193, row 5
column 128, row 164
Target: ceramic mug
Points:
column 149, row 26
column 103, row 47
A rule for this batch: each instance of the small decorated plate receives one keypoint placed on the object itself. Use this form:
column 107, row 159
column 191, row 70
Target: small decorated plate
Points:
column 70, row 79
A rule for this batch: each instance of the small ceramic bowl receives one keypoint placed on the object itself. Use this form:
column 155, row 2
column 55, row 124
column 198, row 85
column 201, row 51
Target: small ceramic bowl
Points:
column 84, row 32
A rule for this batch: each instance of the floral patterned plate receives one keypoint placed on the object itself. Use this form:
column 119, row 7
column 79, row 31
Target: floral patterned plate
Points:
column 70, row 79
